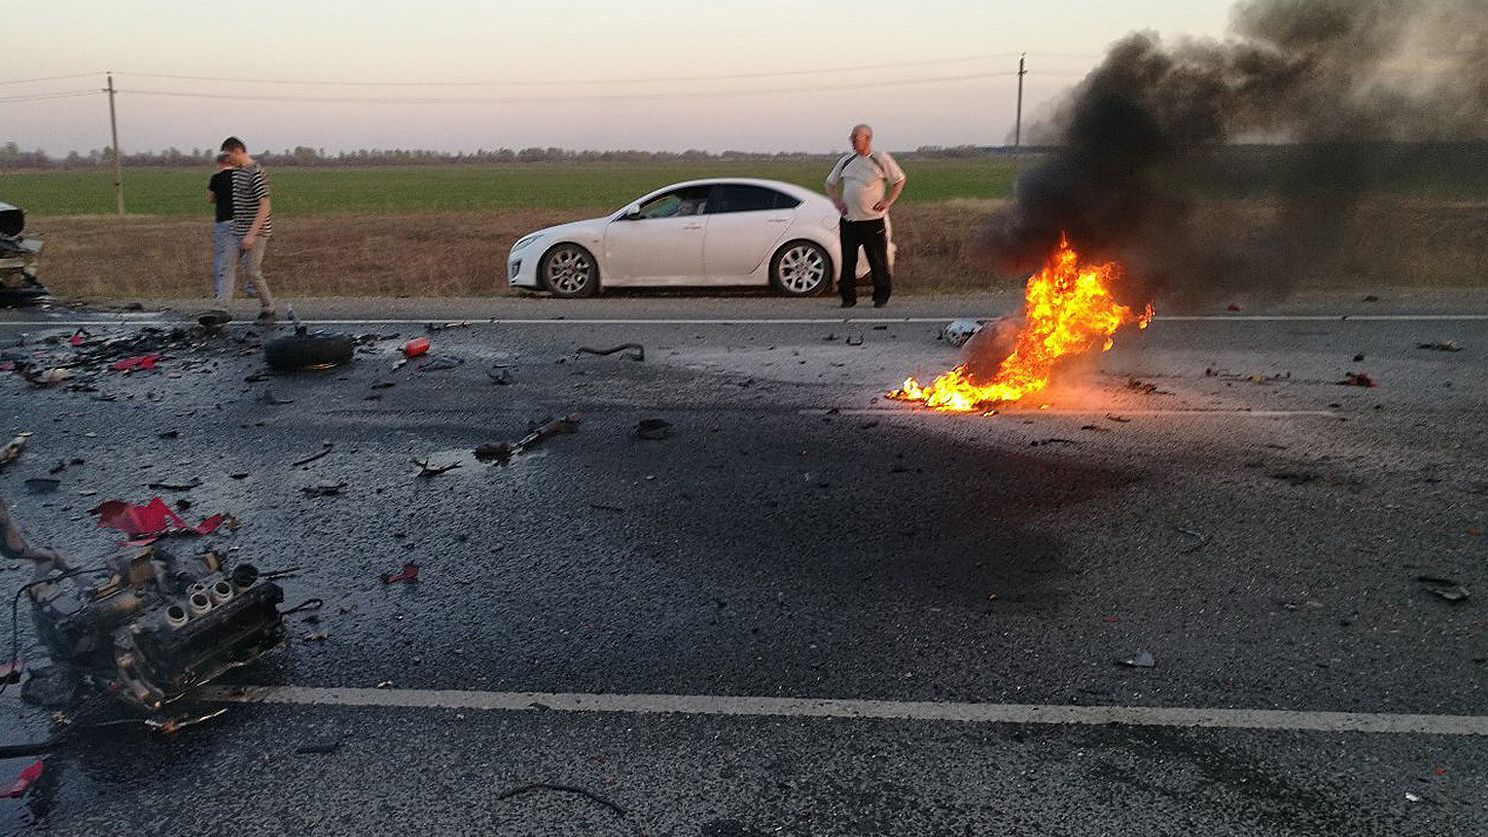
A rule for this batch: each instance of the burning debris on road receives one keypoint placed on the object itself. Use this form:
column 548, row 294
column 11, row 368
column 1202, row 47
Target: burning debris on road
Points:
column 1068, row 310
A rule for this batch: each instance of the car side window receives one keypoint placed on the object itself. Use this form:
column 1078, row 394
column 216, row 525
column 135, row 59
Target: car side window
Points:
column 678, row 203
column 738, row 197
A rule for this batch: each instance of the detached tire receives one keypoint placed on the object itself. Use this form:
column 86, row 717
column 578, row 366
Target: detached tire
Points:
column 305, row 351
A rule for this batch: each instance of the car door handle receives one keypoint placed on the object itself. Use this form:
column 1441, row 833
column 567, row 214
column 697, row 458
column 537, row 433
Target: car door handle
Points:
column 692, row 226
column 778, row 220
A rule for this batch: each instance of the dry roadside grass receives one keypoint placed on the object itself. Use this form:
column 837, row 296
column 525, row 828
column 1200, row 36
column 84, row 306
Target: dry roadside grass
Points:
column 1395, row 242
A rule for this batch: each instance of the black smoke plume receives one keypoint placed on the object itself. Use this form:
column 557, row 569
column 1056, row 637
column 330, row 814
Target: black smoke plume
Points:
column 1330, row 84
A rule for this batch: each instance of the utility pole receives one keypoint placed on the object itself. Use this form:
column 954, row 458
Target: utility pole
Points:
column 118, row 164
column 1018, row 125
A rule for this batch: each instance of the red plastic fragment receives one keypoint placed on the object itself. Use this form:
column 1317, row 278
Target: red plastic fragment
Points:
column 408, row 573
column 76, row 339
column 139, row 363
column 1232, row 307
column 25, row 780
column 148, row 523
column 416, row 346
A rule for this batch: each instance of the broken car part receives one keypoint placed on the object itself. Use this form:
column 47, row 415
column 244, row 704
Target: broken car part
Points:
column 637, row 351
column 308, row 350
column 20, row 256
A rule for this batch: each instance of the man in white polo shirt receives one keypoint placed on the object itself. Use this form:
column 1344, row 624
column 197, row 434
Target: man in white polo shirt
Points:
column 863, row 185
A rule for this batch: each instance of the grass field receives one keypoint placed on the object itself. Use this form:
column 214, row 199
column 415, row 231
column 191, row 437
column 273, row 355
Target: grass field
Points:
column 445, row 230
column 313, row 191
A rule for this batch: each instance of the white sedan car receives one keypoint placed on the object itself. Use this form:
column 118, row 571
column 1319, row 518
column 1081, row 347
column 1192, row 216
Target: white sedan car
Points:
column 725, row 231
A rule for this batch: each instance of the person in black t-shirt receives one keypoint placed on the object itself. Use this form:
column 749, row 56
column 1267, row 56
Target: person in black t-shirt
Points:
column 224, row 246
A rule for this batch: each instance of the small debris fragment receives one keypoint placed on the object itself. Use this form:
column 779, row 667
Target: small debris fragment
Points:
column 12, row 449
column 637, row 351
column 323, row 489
column 1143, row 387
column 409, row 573
column 42, row 485
column 318, row 748
column 427, row 471
column 314, row 636
column 1446, row 588
column 854, row 339
column 138, row 363
column 24, row 780
column 1441, row 346
column 1118, row 419
column 174, row 486
column 1138, row 659
column 500, row 376
column 327, row 447
column 416, row 347
column 270, row 397
column 1358, row 379
column 1052, row 441
column 654, row 429
column 1232, row 307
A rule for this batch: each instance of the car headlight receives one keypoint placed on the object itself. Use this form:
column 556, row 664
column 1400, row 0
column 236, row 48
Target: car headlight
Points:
column 525, row 241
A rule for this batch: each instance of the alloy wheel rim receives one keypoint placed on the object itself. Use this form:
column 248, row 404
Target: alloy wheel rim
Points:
column 568, row 271
column 802, row 269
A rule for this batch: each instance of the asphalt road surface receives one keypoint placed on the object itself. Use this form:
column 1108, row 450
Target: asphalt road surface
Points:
column 808, row 610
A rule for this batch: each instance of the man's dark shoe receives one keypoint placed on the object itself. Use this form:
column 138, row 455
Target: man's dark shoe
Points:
column 880, row 304
column 266, row 317
column 214, row 317
column 848, row 303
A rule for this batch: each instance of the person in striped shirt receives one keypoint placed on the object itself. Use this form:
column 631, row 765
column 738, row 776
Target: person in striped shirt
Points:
column 253, row 224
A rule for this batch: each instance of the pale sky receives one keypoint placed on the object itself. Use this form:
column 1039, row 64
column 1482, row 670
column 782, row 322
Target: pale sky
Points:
column 573, row 74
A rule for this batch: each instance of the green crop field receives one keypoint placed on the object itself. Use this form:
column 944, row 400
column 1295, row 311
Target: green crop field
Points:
column 393, row 189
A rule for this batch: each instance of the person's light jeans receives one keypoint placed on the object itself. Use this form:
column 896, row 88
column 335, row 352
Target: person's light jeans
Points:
column 250, row 263
column 223, row 246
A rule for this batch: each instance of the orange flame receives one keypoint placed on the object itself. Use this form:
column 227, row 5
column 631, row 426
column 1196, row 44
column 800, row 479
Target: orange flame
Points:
column 1067, row 310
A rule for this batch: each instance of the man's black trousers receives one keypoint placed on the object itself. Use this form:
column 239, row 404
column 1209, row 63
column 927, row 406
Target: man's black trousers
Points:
column 873, row 237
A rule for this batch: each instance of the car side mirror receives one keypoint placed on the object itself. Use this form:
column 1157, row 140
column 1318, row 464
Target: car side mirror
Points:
column 632, row 212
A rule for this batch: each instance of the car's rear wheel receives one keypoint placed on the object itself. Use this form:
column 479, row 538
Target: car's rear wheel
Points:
column 801, row 268
column 569, row 271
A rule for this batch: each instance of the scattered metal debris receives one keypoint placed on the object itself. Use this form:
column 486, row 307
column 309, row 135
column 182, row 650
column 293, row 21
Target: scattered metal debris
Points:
column 501, row 451
column 426, row 470
column 1446, row 588
column 638, row 352
column 961, row 331
column 432, row 327
column 174, row 486
column 327, row 447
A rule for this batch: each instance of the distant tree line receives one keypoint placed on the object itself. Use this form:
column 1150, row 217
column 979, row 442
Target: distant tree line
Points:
column 13, row 157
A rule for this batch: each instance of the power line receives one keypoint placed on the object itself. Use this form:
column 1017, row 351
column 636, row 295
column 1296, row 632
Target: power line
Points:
column 550, row 83
column 49, row 78
column 535, row 100
column 41, row 97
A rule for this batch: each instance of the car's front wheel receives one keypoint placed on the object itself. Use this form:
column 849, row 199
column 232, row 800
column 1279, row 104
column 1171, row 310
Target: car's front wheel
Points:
column 569, row 271
column 801, row 268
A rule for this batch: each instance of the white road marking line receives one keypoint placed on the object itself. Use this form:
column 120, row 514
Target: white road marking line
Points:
column 1024, row 413
column 559, row 321
column 721, row 705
